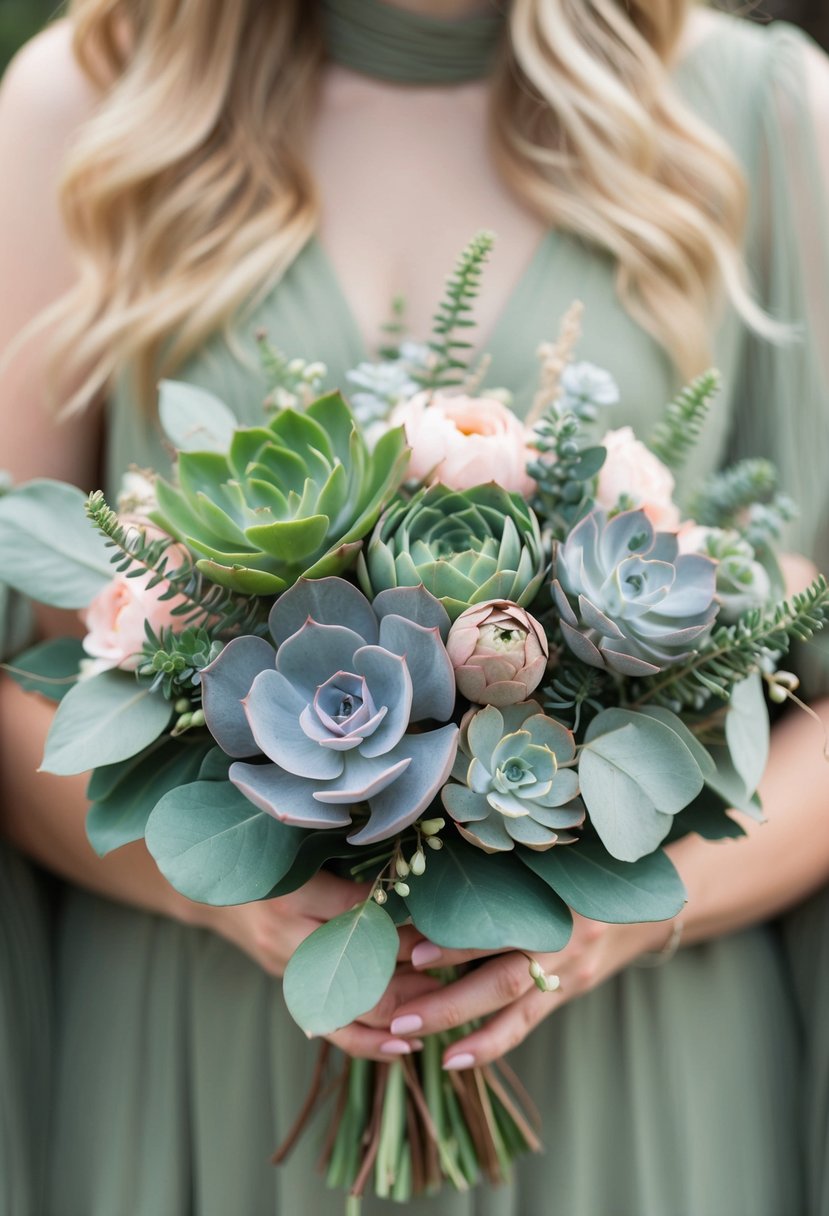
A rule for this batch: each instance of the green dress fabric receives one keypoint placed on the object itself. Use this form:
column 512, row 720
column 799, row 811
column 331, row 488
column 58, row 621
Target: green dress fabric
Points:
column 666, row 1092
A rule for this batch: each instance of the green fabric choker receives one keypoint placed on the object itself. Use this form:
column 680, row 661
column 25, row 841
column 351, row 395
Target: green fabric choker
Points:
column 391, row 43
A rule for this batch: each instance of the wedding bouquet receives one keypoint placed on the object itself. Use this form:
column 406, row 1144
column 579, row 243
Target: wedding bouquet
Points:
column 489, row 666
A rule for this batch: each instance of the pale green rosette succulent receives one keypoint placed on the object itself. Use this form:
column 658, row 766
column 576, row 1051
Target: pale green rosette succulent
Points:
column 331, row 713
column 294, row 496
column 465, row 547
column 742, row 582
column 627, row 599
column 512, row 786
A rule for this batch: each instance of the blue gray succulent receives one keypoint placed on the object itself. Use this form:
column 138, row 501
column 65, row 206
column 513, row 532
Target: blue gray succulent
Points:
column 742, row 582
column 381, row 386
column 334, row 716
column 513, row 786
column 627, row 599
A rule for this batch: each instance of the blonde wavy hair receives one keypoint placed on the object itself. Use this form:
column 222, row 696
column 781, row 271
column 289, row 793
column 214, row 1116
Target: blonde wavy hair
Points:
column 186, row 195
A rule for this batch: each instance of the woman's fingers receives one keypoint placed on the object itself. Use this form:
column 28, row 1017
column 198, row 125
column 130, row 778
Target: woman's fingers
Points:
column 504, row 1031
column 324, row 896
column 371, row 1044
column 426, row 955
column 496, row 983
column 403, row 988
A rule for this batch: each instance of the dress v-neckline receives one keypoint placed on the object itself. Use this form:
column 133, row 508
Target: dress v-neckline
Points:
column 549, row 248
column 354, row 333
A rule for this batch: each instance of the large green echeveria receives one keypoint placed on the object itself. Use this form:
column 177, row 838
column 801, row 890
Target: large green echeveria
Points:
column 295, row 496
column 512, row 783
column 465, row 547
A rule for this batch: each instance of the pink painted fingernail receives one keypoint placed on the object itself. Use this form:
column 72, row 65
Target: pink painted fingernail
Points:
column 396, row 1047
column 408, row 1024
column 425, row 953
column 463, row 1060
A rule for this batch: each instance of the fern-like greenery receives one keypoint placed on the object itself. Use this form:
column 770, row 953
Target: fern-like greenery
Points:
column 724, row 496
column 574, row 690
column 450, row 350
column 203, row 603
column 174, row 660
column 677, row 432
column 735, row 651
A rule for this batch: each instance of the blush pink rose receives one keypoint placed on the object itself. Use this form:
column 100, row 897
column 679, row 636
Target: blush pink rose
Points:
column 115, row 620
column 466, row 441
column 632, row 471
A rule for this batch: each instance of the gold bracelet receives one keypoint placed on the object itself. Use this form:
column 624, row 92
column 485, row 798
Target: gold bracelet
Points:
column 657, row 958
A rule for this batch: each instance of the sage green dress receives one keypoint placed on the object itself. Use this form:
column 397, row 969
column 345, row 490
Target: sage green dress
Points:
column 667, row 1092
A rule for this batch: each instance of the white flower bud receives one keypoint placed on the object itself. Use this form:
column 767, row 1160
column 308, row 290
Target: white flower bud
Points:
column 380, row 896
column 431, row 827
column 418, row 862
column 536, row 970
column 197, row 718
column 434, row 842
column 402, row 889
column 181, row 706
column 402, row 867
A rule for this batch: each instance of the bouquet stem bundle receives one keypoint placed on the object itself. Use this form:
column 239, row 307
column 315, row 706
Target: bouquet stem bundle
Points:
column 409, row 1126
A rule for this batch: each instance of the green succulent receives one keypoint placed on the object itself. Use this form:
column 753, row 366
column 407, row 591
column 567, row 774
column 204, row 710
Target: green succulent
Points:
column 294, row 496
column 464, row 546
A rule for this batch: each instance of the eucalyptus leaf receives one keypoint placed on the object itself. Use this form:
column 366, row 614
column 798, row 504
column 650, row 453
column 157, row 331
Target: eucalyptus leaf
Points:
column 728, row 783
column 193, row 419
column 708, row 817
column 747, row 731
column 635, row 774
column 100, row 721
column 469, row 900
column 50, row 668
column 342, row 969
column 215, row 766
column 48, row 548
column 215, row 847
column 315, row 849
column 121, row 816
column 597, row 885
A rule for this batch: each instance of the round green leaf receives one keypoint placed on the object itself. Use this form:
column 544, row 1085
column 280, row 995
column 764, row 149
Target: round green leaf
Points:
column 471, row 900
column 193, row 419
column 48, row 548
column 101, row 721
column 121, row 816
column 50, row 668
column 341, row 970
column 215, row 847
column 597, row 885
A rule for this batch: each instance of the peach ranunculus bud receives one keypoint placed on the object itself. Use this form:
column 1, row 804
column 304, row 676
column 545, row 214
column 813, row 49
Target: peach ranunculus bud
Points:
column 632, row 473
column 115, row 619
column 499, row 653
column 466, row 441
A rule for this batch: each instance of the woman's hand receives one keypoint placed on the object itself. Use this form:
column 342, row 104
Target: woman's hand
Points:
column 502, row 990
column 270, row 930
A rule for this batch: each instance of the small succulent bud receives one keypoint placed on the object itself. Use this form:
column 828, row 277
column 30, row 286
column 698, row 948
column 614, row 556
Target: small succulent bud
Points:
column 402, row 889
column 536, row 970
column 434, row 842
column 418, row 862
column 380, row 896
column 777, row 693
column 181, row 706
column 184, row 723
column 197, row 718
column 431, row 827
column 402, row 867
column 788, row 679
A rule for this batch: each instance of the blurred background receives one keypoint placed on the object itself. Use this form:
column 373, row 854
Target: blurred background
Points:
column 19, row 19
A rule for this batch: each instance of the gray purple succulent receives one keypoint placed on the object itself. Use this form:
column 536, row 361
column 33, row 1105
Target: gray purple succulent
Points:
column 627, row 599
column 335, row 713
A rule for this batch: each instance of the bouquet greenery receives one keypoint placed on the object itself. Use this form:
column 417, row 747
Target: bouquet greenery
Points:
column 487, row 665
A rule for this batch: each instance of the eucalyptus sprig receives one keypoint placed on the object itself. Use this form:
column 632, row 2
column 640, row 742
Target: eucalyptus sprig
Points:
column 451, row 352
column 678, row 431
column 736, row 651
